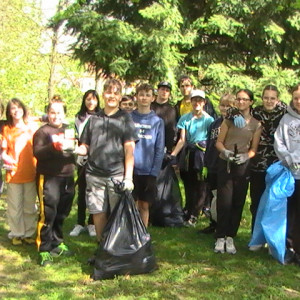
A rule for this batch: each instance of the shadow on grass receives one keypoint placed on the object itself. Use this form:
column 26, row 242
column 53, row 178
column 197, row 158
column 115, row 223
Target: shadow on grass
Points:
column 192, row 253
column 21, row 275
column 188, row 269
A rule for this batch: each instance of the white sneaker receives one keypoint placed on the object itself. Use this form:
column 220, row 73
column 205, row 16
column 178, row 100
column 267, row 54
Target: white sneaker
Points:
column 255, row 247
column 191, row 222
column 220, row 245
column 77, row 230
column 91, row 230
column 230, row 248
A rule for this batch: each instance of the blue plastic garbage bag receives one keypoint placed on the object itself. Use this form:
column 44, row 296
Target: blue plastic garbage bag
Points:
column 270, row 222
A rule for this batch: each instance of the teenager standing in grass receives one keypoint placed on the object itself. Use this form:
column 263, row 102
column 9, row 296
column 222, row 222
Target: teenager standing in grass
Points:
column 17, row 155
column 55, row 183
column 184, row 106
column 2, row 123
column 210, row 169
column 109, row 141
column 89, row 106
column 287, row 148
column 149, row 150
column 268, row 114
column 193, row 128
column 167, row 112
column 233, row 171
column 127, row 103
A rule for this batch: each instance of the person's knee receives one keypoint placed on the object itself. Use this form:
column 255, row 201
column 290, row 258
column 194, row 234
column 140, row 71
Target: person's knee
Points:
column 144, row 206
column 98, row 215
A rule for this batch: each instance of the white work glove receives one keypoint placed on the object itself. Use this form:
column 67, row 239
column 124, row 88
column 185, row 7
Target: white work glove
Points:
column 80, row 150
column 239, row 121
column 128, row 185
column 229, row 155
column 241, row 158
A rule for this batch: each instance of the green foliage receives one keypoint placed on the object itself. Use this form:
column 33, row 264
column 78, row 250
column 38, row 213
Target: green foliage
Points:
column 24, row 69
column 67, row 84
column 295, row 20
column 132, row 47
column 131, row 39
column 227, row 43
column 220, row 24
column 224, row 45
column 274, row 32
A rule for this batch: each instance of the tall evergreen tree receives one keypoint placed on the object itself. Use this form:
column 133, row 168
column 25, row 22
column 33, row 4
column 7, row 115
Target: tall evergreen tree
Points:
column 225, row 44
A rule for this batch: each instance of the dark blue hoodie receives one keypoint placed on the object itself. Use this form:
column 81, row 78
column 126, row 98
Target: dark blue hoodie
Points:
column 149, row 151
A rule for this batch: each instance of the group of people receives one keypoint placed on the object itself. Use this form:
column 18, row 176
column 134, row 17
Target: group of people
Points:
column 129, row 140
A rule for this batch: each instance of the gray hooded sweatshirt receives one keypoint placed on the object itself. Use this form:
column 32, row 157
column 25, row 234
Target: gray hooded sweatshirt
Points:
column 287, row 139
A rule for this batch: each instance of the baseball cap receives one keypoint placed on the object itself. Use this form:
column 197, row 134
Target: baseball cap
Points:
column 198, row 93
column 165, row 84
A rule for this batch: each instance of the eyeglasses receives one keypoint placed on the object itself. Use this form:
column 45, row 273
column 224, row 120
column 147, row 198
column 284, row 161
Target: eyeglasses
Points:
column 242, row 99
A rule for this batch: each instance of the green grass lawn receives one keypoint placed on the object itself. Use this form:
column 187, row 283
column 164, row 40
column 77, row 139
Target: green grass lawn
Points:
column 188, row 269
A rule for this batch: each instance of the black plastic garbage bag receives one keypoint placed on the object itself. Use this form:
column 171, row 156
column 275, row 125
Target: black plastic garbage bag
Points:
column 167, row 211
column 126, row 246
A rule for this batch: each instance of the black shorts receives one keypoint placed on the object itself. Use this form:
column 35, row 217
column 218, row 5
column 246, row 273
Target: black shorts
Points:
column 145, row 188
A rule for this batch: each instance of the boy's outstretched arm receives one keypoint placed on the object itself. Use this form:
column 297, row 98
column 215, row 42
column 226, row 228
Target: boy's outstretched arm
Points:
column 129, row 163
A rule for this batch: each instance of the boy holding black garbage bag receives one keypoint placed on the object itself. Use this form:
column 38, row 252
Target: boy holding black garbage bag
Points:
column 109, row 140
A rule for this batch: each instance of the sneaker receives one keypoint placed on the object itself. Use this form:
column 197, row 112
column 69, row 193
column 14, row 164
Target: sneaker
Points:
column 230, row 248
column 255, row 247
column 191, row 222
column 91, row 260
column 91, row 230
column 45, row 259
column 77, row 230
column 61, row 249
column 296, row 259
column 211, row 228
column 290, row 256
column 186, row 215
column 16, row 241
column 206, row 212
column 220, row 245
column 29, row 241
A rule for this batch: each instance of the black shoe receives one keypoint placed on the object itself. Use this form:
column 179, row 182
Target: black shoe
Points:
column 209, row 229
column 45, row 259
column 91, row 261
column 61, row 249
column 206, row 212
column 297, row 259
column 186, row 215
column 290, row 256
